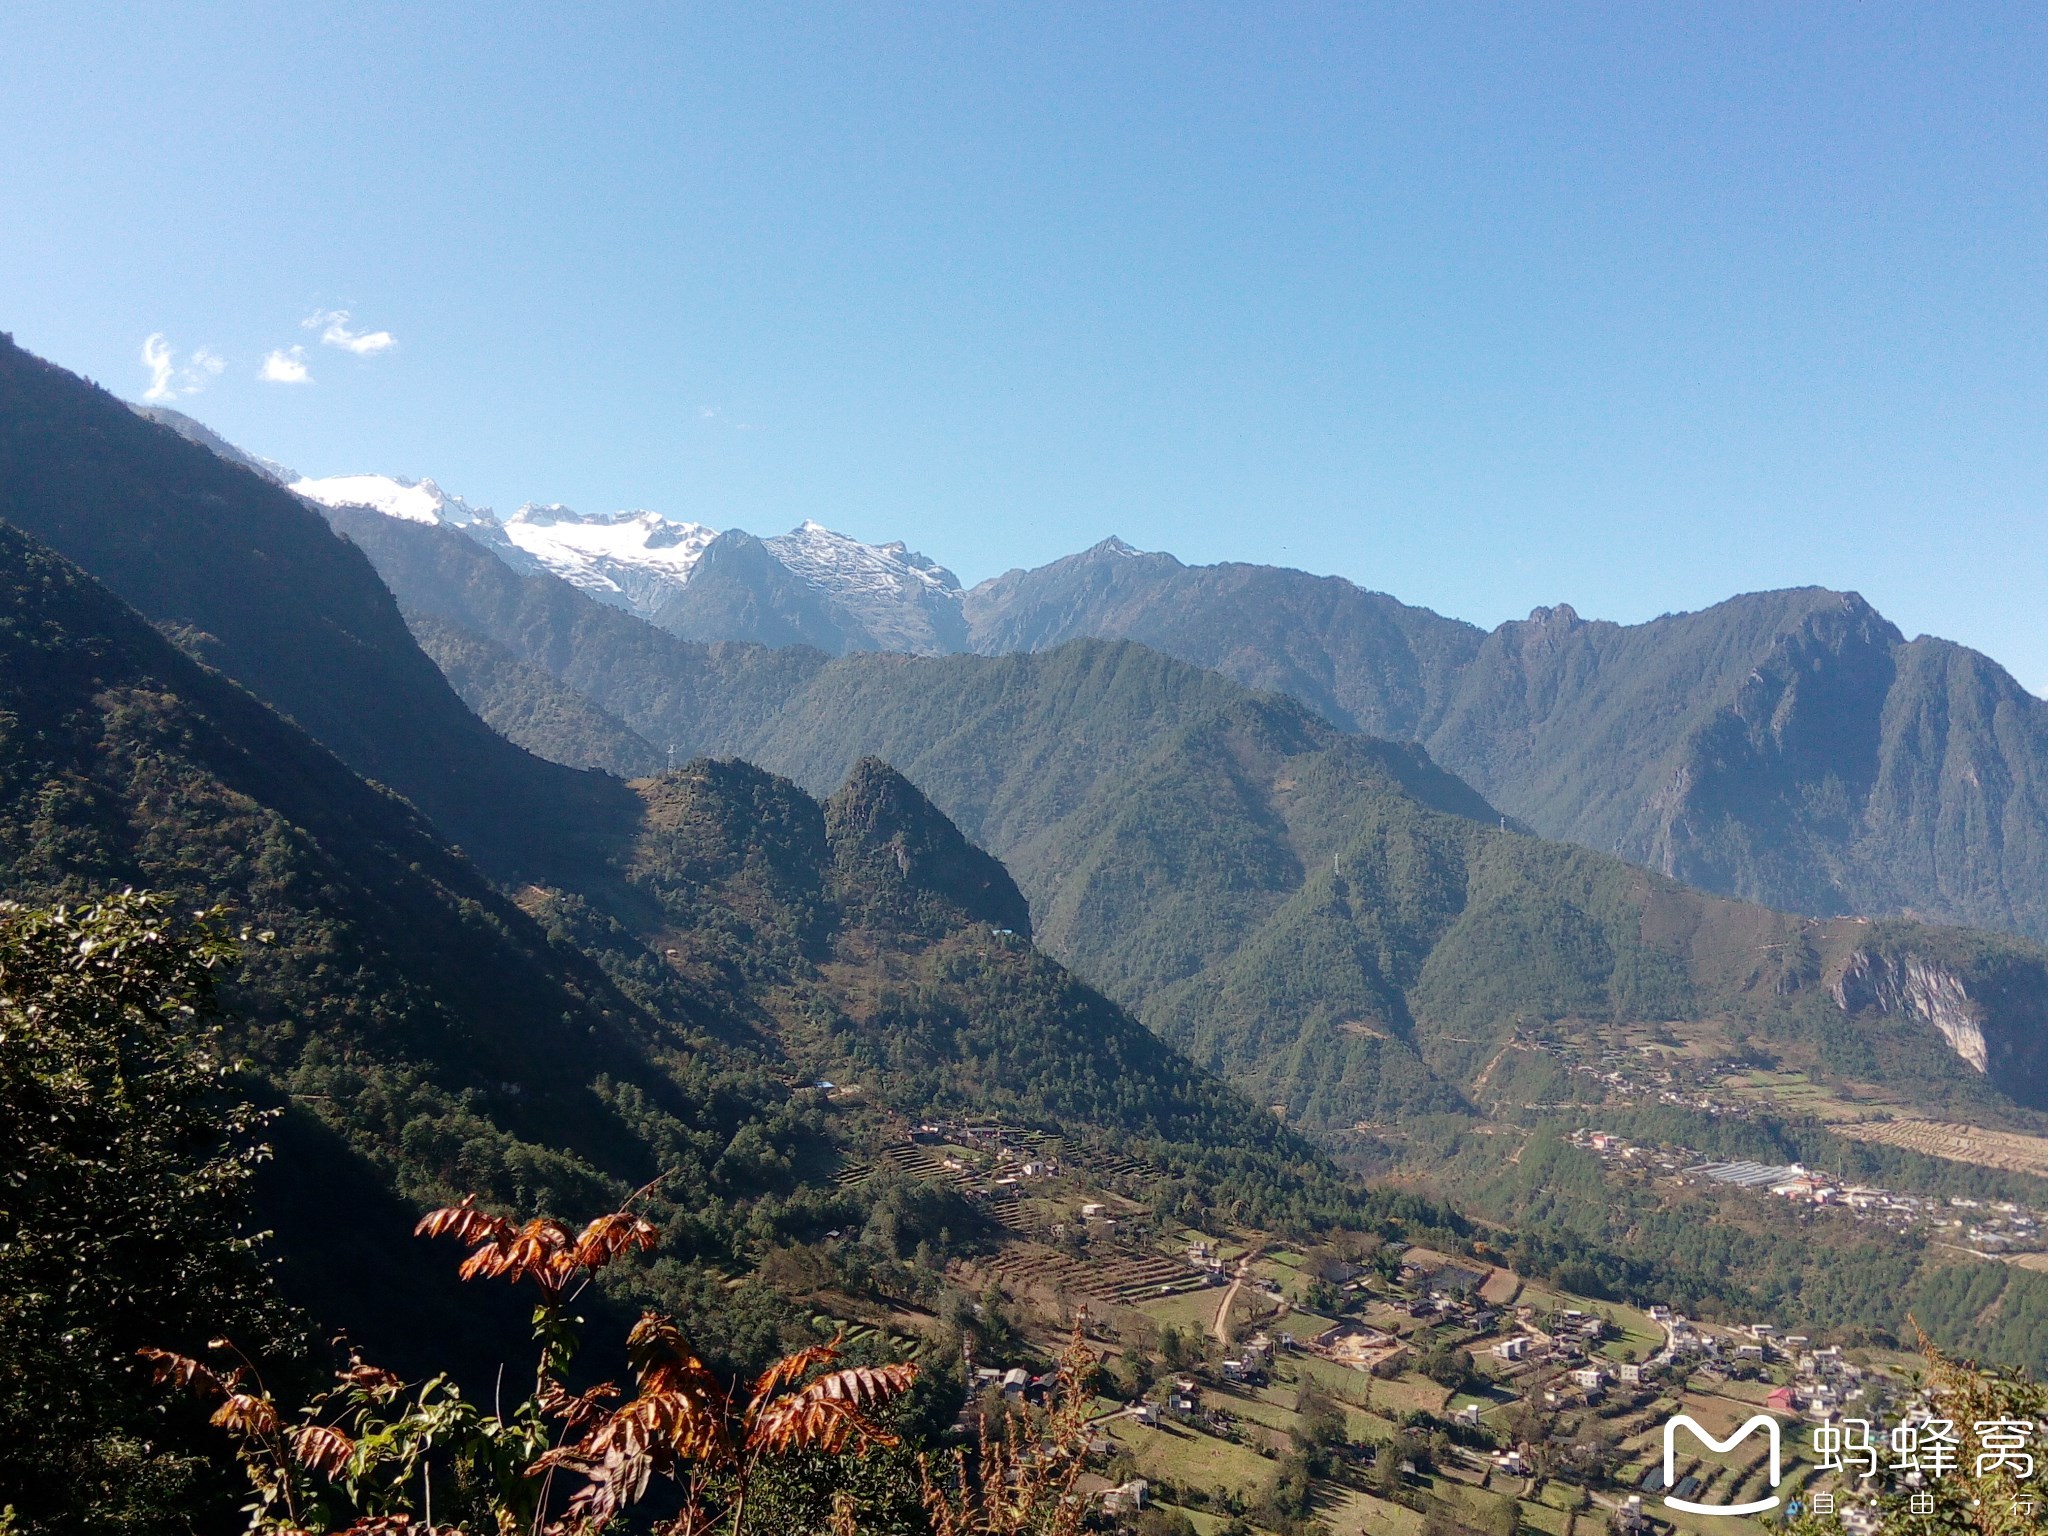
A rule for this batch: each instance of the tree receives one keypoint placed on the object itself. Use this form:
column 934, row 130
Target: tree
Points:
column 1319, row 1427
column 361, row 1456
column 1984, row 1494
column 125, row 1154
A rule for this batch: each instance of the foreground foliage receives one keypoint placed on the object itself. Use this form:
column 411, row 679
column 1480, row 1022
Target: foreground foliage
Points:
column 124, row 1159
column 361, row 1457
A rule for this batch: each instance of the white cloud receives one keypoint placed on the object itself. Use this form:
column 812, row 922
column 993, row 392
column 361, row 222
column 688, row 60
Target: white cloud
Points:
column 168, row 379
column 285, row 367
column 335, row 331
column 156, row 357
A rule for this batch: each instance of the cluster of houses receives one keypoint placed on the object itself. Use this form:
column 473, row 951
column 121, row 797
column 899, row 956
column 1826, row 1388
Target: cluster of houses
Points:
column 1555, row 1338
column 1823, row 1379
column 1017, row 1155
column 1624, row 1079
column 1202, row 1255
column 1991, row 1227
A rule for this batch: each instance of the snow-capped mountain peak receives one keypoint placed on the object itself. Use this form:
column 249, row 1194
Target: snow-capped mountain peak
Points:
column 901, row 600
column 847, row 595
column 412, row 501
column 635, row 560
column 839, row 563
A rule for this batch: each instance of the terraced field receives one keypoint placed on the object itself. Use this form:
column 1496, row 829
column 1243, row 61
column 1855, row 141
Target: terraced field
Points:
column 2006, row 1150
column 1125, row 1279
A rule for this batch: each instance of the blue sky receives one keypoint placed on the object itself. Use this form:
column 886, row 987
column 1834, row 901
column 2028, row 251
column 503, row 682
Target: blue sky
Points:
column 1631, row 307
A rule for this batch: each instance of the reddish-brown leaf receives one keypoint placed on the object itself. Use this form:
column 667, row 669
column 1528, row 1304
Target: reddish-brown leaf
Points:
column 244, row 1414
column 326, row 1450
column 182, row 1371
column 791, row 1369
column 609, row 1236
column 463, row 1222
column 827, row 1414
column 577, row 1411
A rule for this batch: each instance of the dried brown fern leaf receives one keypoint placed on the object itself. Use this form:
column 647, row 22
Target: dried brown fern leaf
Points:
column 791, row 1369
column 577, row 1411
column 465, row 1223
column 827, row 1415
column 606, row 1238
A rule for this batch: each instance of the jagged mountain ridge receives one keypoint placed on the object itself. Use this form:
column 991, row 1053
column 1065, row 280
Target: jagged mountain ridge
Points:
column 1172, row 830
column 1786, row 747
column 809, row 586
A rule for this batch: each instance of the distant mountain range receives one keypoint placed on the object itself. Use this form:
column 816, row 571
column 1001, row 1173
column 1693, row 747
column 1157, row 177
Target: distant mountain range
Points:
column 196, row 676
column 1791, row 747
column 1214, row 936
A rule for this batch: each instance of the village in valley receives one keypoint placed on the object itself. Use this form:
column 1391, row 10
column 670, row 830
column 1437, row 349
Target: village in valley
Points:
column 1401, row 1388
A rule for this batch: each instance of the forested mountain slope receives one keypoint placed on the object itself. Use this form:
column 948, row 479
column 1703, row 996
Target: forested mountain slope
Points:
column 427, row 1035
column 1198, row 851
column 1345, row 930
column 870, row 941
column 251, row 579
column 434, row 1039
column 1787, row 747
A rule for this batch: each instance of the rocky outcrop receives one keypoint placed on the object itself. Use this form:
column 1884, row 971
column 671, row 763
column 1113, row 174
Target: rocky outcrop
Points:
column 1915, row 988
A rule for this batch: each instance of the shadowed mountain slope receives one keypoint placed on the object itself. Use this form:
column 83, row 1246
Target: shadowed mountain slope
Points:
column 428, row 1038
column 252, row 580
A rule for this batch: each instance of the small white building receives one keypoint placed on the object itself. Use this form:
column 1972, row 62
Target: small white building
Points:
column 1125, row 1497
column 1513, row 1349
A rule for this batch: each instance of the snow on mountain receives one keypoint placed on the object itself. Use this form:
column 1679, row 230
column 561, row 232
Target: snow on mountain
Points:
column 901, row 600
column 414, row 501
column 632, row 560
column 879, row 596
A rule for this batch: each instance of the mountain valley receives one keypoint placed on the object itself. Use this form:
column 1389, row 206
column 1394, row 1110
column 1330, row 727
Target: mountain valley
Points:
column 927, row 959
column 1792, row 748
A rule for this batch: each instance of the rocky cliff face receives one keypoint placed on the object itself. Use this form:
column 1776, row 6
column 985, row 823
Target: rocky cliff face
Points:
column 1909, row 985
